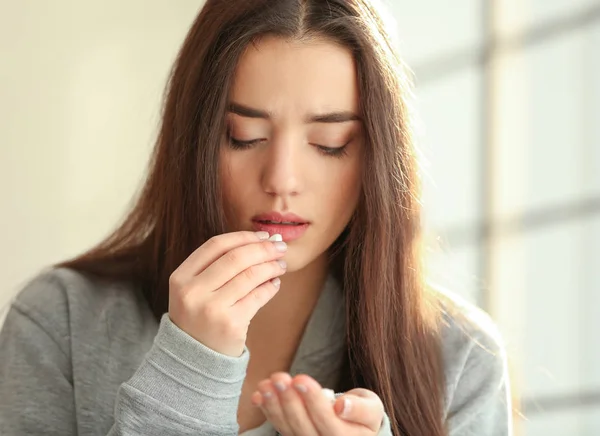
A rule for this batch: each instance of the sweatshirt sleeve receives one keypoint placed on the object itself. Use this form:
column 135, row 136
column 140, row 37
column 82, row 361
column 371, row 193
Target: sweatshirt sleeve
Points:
column 180, row 388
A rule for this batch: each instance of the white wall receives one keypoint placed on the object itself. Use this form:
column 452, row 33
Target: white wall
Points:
column 80, row 90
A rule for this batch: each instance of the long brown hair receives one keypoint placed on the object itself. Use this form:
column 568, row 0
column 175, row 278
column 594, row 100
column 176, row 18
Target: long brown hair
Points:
column 393, row 341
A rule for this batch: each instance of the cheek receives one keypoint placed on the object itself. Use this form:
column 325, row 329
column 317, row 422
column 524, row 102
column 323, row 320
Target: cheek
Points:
column 344, row 188
column 231, row 173
column 238, row 186
column 225, row 178
column 229, row 187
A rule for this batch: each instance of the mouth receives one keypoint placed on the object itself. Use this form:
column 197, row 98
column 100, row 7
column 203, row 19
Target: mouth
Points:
column 283, row 223
column 289, row 226
column 287, row 219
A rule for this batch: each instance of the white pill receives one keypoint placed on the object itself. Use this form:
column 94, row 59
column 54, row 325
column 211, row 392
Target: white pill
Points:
column 276, row 238
column 330, row 394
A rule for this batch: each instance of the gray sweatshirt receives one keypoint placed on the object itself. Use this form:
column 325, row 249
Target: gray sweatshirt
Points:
column 81, row 357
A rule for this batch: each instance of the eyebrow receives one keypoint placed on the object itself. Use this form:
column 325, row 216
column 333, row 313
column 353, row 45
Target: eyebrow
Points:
column 333, row 117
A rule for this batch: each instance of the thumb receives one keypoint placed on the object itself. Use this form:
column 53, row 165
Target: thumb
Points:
column 360, row 406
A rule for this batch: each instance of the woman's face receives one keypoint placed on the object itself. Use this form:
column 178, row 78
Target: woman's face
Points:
column 291, row 160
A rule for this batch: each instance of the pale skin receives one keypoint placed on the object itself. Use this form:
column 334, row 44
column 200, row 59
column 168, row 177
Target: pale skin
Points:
column 232, row 290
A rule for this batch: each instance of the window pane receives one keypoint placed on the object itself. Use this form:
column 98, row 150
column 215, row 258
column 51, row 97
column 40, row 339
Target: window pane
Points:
column 449, row 110
column 518, row 15
column 557, row 154
column 591, row 83
column 591, row 421
column 590, row 303
column 552, row 325
column 433, row 28
column 549, row 306
column 545, row 133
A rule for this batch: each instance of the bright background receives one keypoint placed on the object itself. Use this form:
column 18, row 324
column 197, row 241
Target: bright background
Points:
column 508, row 93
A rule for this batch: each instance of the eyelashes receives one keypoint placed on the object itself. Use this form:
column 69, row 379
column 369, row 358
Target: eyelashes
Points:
column 333, row 151
column 339, row 152
column 238, row 144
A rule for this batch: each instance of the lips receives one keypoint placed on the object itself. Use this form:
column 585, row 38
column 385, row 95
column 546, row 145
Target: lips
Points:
column 280, row 222
column 279, row 218
column 289, row 225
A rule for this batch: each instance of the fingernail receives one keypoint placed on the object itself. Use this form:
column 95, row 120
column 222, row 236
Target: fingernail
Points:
column 301, row 388
column 267, row 395
column 263, row 236
column 282, row 263
column 280, row 386
column 275, row 237
column 346, row 406
column 276, row 282
column 280, row 246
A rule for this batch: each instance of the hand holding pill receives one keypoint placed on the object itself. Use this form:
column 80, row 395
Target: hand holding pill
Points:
column 300, row 406
column 219, row 288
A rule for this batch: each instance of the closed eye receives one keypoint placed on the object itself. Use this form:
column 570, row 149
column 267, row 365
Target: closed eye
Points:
column 238, row 144
column 333, row 151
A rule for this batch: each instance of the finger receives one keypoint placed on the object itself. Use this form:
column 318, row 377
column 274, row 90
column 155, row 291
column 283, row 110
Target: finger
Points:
column 248, row 306
column 257, row 399
column 271, row 408
column 239, row 259
column 213, row 249
column 249, row 279
column 292, row 404
column 360, row 406
column 318, row 406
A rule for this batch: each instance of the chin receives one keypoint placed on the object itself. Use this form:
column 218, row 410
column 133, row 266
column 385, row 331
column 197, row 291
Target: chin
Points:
column 298, row 259
column 296, row 263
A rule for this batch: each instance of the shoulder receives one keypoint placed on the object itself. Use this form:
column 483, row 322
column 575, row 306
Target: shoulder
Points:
column 61, row 299
column 58, row 290
column 473, row 352
column 465, row 328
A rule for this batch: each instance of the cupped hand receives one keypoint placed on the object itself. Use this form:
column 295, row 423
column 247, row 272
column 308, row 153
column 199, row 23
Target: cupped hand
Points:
column 297, row 407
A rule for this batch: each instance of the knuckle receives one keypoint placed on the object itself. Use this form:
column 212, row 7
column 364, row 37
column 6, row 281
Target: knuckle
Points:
column 175, row 280
column 184, row 300
column 250, row 273
column 264, row 385
column 232, row 257
column 281, row 376
column 183, row 295
column 258, row 295
column 275, row 268
column 214, row 243
column 264, row 293
column 302, row 379
column 266, row 249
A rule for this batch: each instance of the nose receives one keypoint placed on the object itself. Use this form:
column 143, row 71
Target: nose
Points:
column 281, row 172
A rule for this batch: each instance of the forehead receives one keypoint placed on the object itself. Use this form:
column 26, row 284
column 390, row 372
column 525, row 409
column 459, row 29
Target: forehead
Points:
column 288, row 77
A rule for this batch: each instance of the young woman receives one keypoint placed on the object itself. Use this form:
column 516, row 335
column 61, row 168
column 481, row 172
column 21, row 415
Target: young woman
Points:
column 282, row 117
